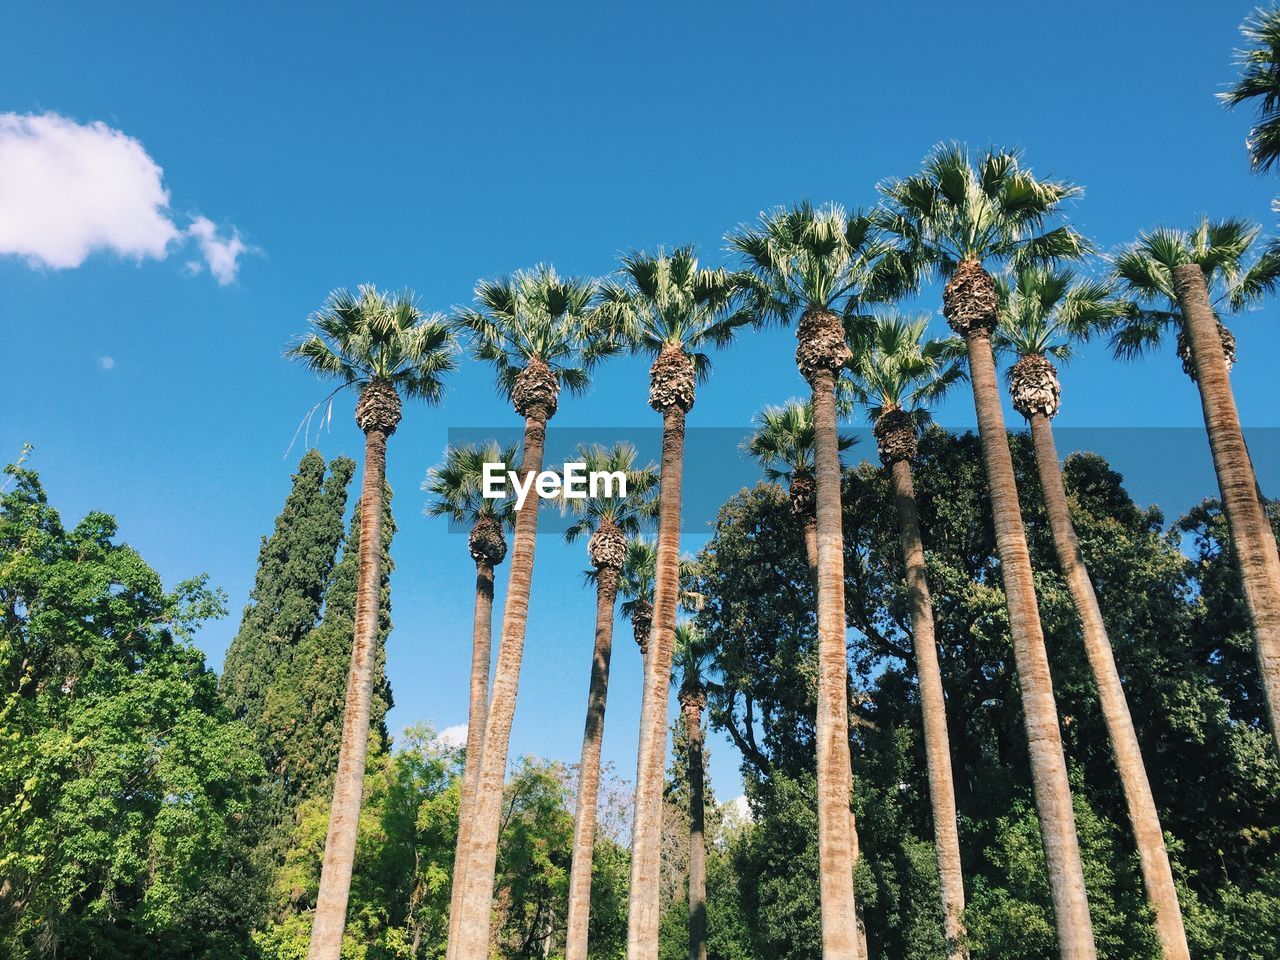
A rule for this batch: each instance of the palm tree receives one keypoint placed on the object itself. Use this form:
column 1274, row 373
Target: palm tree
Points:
column 457, row 489
column 537, row 330
column 950, row 218
column 1042, row 310
column 808, row 265
column 636, row 583
column 783, row 444
column 384, row 346
column 667, row 306
column 692, row 661
column 1191, row 280
column 609, row 520
column 1260, row 81
column 897, row 374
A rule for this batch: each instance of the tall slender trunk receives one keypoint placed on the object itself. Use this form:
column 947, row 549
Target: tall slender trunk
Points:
column 584, row 822
column 811, row 547
column 477, row 879
column 1251, row 534
column 477, row 711
column 691, row 706
column 1157, row 875
column 937, row 744
column 811, row 559
column 348, row 783
column 837, row 839
column 646, row 831
column 1048, row 763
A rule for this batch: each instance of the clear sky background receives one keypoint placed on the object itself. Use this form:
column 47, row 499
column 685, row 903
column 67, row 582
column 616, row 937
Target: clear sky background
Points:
column 427, row 144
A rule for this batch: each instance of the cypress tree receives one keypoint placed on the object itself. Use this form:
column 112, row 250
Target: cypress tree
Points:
column 302, row 718
column 294, row 565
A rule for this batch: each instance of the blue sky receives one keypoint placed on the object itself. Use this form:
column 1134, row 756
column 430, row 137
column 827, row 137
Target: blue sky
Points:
column 428, row 144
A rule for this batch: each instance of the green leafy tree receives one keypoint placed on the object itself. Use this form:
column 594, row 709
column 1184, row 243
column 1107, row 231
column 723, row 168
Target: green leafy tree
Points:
column 305, row 708
column 124, row 782
column 293, row 568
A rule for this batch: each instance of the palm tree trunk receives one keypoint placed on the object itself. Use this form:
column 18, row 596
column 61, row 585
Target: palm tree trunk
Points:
column 811, row 547
column 584, row 823
column 1040, row 713
column 646, row 831
column 348, row 783
column 837, row 840
column 477, row 879
column 481, row 653
column 937, row 744
column 1251, row 534
column 1154, row 858
column 697, row 841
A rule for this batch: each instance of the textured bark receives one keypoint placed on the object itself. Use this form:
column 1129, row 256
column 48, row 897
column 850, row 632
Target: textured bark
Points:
column 482, row 852
column 483, row 548
column 348, row 783
column 641, row 624
column 937, row 743
column 646, row 831
column 1034, row 387
column 895, row 433
column 1227, row 338
column 692, row 701
column 584, row 823
column 671, row 381
column 837, row 839
column 1157, row 876
column 1255, row 545
column 1048, row 764
column 811, row 546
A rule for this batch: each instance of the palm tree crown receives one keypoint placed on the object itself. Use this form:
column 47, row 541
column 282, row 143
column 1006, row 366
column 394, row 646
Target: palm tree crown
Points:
column 783, row 443
column 694, row 659
column 374, row 336
column 456, row 487
column 996, row 210
column 1260, row 83
column 816, row 258
column 532, row 320
column 624, row 513
column 1044, row 310
column 669, row 307
column 896, row 368
column 636, row 584
column 1233, row 278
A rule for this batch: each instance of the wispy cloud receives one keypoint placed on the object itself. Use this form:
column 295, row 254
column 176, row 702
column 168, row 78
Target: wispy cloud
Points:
column 71, row 190
column 455, row 736
column 107, row 363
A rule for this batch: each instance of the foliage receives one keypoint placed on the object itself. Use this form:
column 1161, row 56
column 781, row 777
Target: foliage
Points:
column 374, row 335
column 1235, row 275
column 1181, row 641
column 125, row 787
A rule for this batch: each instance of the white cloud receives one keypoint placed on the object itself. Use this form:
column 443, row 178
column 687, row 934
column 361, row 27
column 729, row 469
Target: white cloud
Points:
column 107, row 363
column 455, row 736
column 222, row 255
column 70, row 190
column 740, row 807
